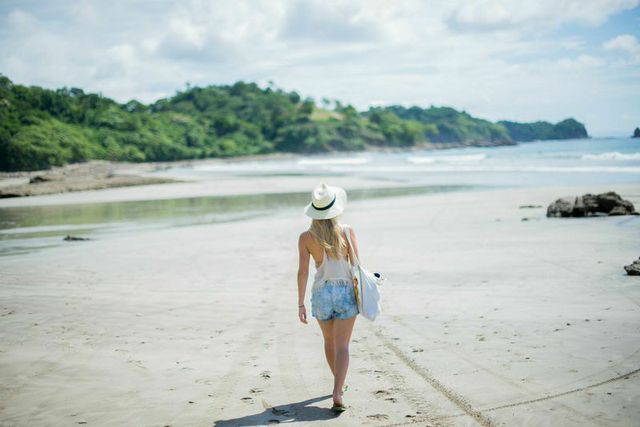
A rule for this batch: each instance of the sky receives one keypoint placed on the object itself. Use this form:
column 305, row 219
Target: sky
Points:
column 496, row 59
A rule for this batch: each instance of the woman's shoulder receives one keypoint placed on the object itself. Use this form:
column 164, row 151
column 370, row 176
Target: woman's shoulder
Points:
column 305, row 235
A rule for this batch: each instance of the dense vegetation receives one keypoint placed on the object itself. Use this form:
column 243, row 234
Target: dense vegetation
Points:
column 40, row 128
column 448, row 125
column 565, row 129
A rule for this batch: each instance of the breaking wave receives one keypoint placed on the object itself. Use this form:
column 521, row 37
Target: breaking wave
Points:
column 336, row 161
column 613, row 155
column 447, row 159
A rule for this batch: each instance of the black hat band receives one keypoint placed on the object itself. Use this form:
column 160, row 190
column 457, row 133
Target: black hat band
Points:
column 326, row 207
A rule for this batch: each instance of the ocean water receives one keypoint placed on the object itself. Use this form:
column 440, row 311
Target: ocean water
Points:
column 549, row 163
column 541, row 163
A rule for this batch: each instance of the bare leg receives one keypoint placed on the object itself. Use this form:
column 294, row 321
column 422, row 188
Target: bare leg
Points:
column 327, row 327
column 343, row 329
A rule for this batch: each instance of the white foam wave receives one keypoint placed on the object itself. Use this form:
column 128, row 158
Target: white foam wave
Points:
column 613, row 155
column 491, row 168
column 336, row 161
column 222, row 167
column 421, row 160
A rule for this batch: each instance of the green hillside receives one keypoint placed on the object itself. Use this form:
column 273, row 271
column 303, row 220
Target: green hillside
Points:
column 565, row 129
column 449, row 125
column 40, row 128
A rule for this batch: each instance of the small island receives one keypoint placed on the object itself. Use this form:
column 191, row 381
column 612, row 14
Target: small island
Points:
column 636, row 133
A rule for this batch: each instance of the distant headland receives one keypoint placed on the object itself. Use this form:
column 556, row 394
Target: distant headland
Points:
column 41, row 128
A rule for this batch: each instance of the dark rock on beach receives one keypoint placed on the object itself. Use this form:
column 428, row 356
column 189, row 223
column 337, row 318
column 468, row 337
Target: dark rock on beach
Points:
column 75, row 238
column 530, row 206
column 561, row 207
column 38, row 179
column 634, row 268
column 589, row 204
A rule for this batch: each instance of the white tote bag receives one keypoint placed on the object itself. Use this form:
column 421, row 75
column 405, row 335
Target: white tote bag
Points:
column 365, row 284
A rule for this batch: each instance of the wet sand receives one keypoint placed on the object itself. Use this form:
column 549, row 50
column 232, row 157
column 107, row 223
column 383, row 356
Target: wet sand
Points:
column 91, row 175
column 223, row 186
column 488, row 319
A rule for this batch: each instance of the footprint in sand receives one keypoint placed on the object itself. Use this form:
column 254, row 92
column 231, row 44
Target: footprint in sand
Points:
column 265, row 374
column 137, row 363
column 275, row 411
column 378, row 417
column 256, row 390
column 247, row 399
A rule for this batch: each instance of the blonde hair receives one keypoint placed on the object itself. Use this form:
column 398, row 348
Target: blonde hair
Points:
column 328, row 234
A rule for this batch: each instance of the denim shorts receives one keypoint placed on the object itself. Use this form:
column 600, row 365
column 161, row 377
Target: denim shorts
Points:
column 333, row 299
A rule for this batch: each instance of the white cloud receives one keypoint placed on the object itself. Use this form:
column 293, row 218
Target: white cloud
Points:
column 581, row 62
column 308, row 21
column 494, row 58
column 509, row 14
column 626, row 43
column 627, row 48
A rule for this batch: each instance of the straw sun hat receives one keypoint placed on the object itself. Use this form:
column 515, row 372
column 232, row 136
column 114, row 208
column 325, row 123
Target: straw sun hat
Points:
column 326, row 202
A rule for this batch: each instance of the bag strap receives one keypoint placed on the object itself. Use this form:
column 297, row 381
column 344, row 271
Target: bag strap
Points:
column 354, row 258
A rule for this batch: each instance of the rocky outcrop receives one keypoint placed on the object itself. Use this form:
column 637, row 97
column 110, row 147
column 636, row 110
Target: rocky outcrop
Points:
column 634, row 268
column 562, row 207
column 589, row 204
column 636, row 133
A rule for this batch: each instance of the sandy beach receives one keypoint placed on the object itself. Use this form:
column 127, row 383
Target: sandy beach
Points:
column 493, row 315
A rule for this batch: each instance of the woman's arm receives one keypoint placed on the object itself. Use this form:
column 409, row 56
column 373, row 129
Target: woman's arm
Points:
column 303, row 275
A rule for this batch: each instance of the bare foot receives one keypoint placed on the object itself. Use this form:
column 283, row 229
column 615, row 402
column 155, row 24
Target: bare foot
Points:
column 337, row 399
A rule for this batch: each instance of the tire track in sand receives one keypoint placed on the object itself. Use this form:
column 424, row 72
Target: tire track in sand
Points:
column 412, row 393
column 564, row 393
column 498, row 376
column 404, row 358
column 423, row 373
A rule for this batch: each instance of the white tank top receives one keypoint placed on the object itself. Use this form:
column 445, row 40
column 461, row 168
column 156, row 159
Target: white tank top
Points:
column 332, row 269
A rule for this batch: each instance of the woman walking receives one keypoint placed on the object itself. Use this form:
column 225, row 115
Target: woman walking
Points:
column 333, row 301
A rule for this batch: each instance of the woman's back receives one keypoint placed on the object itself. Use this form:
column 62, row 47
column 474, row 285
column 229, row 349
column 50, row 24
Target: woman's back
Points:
column 331, row 268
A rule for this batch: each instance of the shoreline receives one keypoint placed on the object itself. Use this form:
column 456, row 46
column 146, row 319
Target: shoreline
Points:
column 100, row 174
column 227, row 186
column 103, row 174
